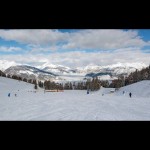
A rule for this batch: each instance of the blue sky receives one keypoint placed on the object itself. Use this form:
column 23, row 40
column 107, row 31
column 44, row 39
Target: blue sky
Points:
column 75, row 48
column 145, row 34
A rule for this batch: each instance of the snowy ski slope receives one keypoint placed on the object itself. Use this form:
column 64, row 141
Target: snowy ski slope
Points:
column 74, row 104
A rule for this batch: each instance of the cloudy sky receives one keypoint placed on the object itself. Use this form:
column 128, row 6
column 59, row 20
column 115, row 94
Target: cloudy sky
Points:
column 75, row 48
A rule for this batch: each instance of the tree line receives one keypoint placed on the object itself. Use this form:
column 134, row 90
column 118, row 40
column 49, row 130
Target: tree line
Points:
column 93, row 84
column 15, row 77
column 133, row 77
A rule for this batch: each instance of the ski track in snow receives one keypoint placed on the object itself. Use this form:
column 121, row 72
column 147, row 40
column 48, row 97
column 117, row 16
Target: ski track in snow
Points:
column 74, row 104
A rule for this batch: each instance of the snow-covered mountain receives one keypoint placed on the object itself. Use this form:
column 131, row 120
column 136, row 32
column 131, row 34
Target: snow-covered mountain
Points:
column 58, row 69
column 30, row 72
column 4, row 64
column 114, row 70
column 118, row 68
column 58, row 72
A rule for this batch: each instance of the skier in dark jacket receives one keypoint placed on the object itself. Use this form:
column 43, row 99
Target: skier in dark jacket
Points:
column 8, row 94
column 130, row 94
column 87, row 91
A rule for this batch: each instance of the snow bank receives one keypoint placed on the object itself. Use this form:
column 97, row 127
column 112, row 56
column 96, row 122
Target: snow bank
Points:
column 139, row 89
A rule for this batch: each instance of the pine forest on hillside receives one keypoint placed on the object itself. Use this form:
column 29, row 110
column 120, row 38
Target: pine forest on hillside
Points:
column 90, row 84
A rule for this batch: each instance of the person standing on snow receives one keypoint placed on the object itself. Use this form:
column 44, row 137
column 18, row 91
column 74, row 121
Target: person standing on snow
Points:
column 87, row 91
column 130, row 94
column 8, row 94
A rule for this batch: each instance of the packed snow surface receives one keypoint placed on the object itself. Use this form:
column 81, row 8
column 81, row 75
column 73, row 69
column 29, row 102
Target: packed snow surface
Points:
column 73, row 104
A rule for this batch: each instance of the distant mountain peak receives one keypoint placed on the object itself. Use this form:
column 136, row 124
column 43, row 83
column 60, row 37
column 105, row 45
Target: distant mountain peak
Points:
column 29, row 72
column 49, row 71
column 4, row 64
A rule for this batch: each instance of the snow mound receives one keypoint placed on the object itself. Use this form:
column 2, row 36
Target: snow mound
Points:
column 11, row 85
column 139, row 89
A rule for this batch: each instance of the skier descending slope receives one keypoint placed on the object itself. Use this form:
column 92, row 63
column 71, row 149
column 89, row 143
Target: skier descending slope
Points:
column 8, row 94
column 130, row 94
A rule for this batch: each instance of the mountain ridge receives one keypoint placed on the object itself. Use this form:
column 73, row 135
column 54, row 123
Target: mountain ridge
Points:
column 58, row 72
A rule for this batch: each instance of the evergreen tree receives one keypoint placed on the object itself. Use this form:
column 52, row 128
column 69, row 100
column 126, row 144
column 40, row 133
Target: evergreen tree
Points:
column 41, row 84
column 66, row 86
column 70, row 86
column 8, row 76
column 60, row 86
column 45, row 85
column 35, row 86
column 2, row 74
column 25, row 80
column 19, row 78
column 88, row 83
column 30, row 81
column 15, row 77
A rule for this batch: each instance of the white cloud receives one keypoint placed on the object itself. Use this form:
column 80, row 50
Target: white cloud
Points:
column 104, row 39
column 33, row 36
column 39, row 49
column 81, row 59
column 81, row 39
column 9, row 49
column 126, row 47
